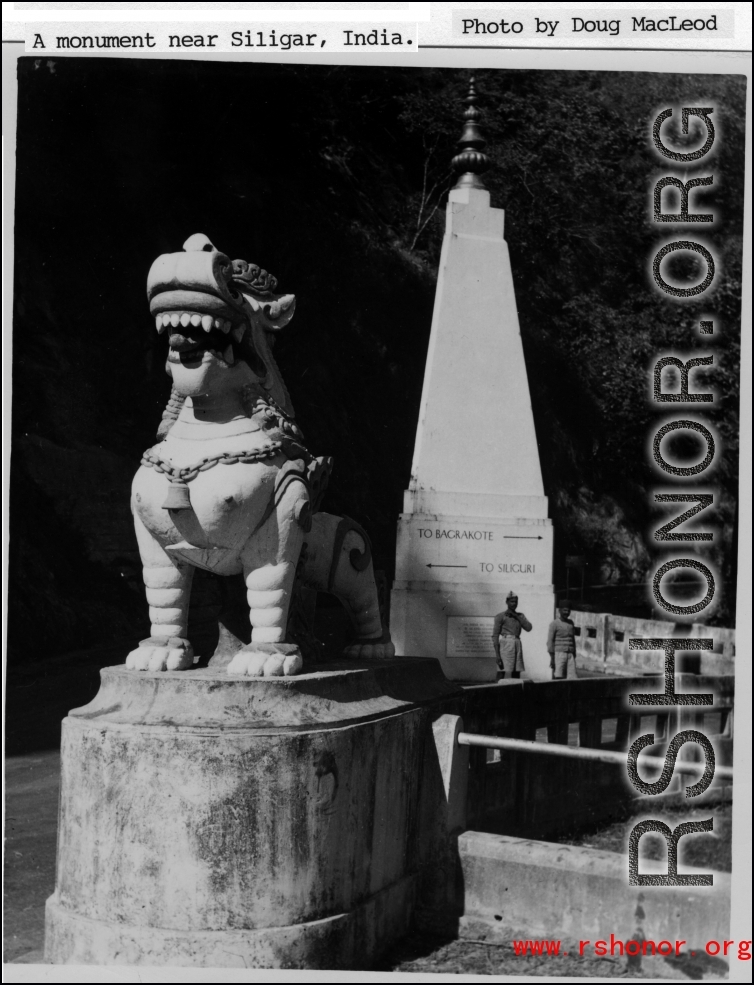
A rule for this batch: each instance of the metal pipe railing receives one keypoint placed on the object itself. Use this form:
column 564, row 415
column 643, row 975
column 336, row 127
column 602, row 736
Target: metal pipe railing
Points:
column 580, row 752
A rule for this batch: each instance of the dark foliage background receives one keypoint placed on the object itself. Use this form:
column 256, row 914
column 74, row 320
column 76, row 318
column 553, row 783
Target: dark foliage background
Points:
column 334, row 179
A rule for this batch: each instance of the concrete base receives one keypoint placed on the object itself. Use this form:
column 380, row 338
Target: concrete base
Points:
column 260, row 822
column 347, row 941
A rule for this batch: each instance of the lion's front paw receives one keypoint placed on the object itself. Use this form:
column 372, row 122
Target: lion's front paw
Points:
column 267, row 660
column 380, row 648
column 156, row 654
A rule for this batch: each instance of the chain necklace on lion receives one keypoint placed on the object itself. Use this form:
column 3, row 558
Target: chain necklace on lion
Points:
column 178, row 494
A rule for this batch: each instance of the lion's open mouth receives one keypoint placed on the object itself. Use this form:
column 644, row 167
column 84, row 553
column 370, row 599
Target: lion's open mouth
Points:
column 193, row 334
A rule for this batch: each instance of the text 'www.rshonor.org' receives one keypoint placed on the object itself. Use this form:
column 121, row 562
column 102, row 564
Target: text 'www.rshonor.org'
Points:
column 680, row 187
column 632, row 948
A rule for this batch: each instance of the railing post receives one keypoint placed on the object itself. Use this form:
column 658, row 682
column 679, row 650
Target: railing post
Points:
column 454, row 766
column 440, row 890
column 590, row 733
column 604, row 640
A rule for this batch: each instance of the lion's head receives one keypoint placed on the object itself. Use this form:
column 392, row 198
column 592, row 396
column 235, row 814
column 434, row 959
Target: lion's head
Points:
column 221, row 317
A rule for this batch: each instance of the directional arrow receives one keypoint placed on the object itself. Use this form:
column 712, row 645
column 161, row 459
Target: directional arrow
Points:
column 447, row 565
column 517, row 537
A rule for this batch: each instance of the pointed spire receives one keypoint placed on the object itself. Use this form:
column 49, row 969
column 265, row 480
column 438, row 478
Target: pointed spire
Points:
column 471, row 161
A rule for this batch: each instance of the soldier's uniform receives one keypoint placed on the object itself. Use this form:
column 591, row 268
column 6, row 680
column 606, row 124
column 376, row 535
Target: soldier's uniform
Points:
column 507, row 630
column 561, row 645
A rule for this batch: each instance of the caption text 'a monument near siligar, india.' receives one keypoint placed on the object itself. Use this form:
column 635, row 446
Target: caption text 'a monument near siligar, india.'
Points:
column 283, row 807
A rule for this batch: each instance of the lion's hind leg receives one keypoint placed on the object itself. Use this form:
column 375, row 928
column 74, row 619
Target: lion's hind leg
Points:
column 338, row 560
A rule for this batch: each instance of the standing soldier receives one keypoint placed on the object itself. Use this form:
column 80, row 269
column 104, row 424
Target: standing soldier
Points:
column 506, row 637
column 561, row 644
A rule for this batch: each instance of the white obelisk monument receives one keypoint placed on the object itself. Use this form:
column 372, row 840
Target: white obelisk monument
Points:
column 475, row 523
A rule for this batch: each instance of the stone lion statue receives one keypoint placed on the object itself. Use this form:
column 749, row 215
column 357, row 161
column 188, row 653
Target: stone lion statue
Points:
column 230, row 486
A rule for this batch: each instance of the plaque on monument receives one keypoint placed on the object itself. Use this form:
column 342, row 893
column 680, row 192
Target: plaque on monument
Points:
column 469, row 636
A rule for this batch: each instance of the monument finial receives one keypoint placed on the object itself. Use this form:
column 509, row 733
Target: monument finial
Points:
column 471, row 161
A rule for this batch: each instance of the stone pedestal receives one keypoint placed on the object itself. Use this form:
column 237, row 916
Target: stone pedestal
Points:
column 475, row 522
column 254, row 822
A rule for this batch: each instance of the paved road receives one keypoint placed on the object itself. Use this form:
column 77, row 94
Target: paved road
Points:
column 31, row 798
column 39, row 694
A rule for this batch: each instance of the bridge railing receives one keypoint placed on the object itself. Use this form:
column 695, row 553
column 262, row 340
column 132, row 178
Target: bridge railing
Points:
column 516, row 793
column 602, row 643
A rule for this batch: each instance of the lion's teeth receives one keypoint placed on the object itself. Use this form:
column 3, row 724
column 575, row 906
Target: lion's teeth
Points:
column 195, row 319
column 228, row 355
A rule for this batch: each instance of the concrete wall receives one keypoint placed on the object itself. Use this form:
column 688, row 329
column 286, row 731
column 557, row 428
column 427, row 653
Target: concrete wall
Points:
column 522, row 888
column 602, row 644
